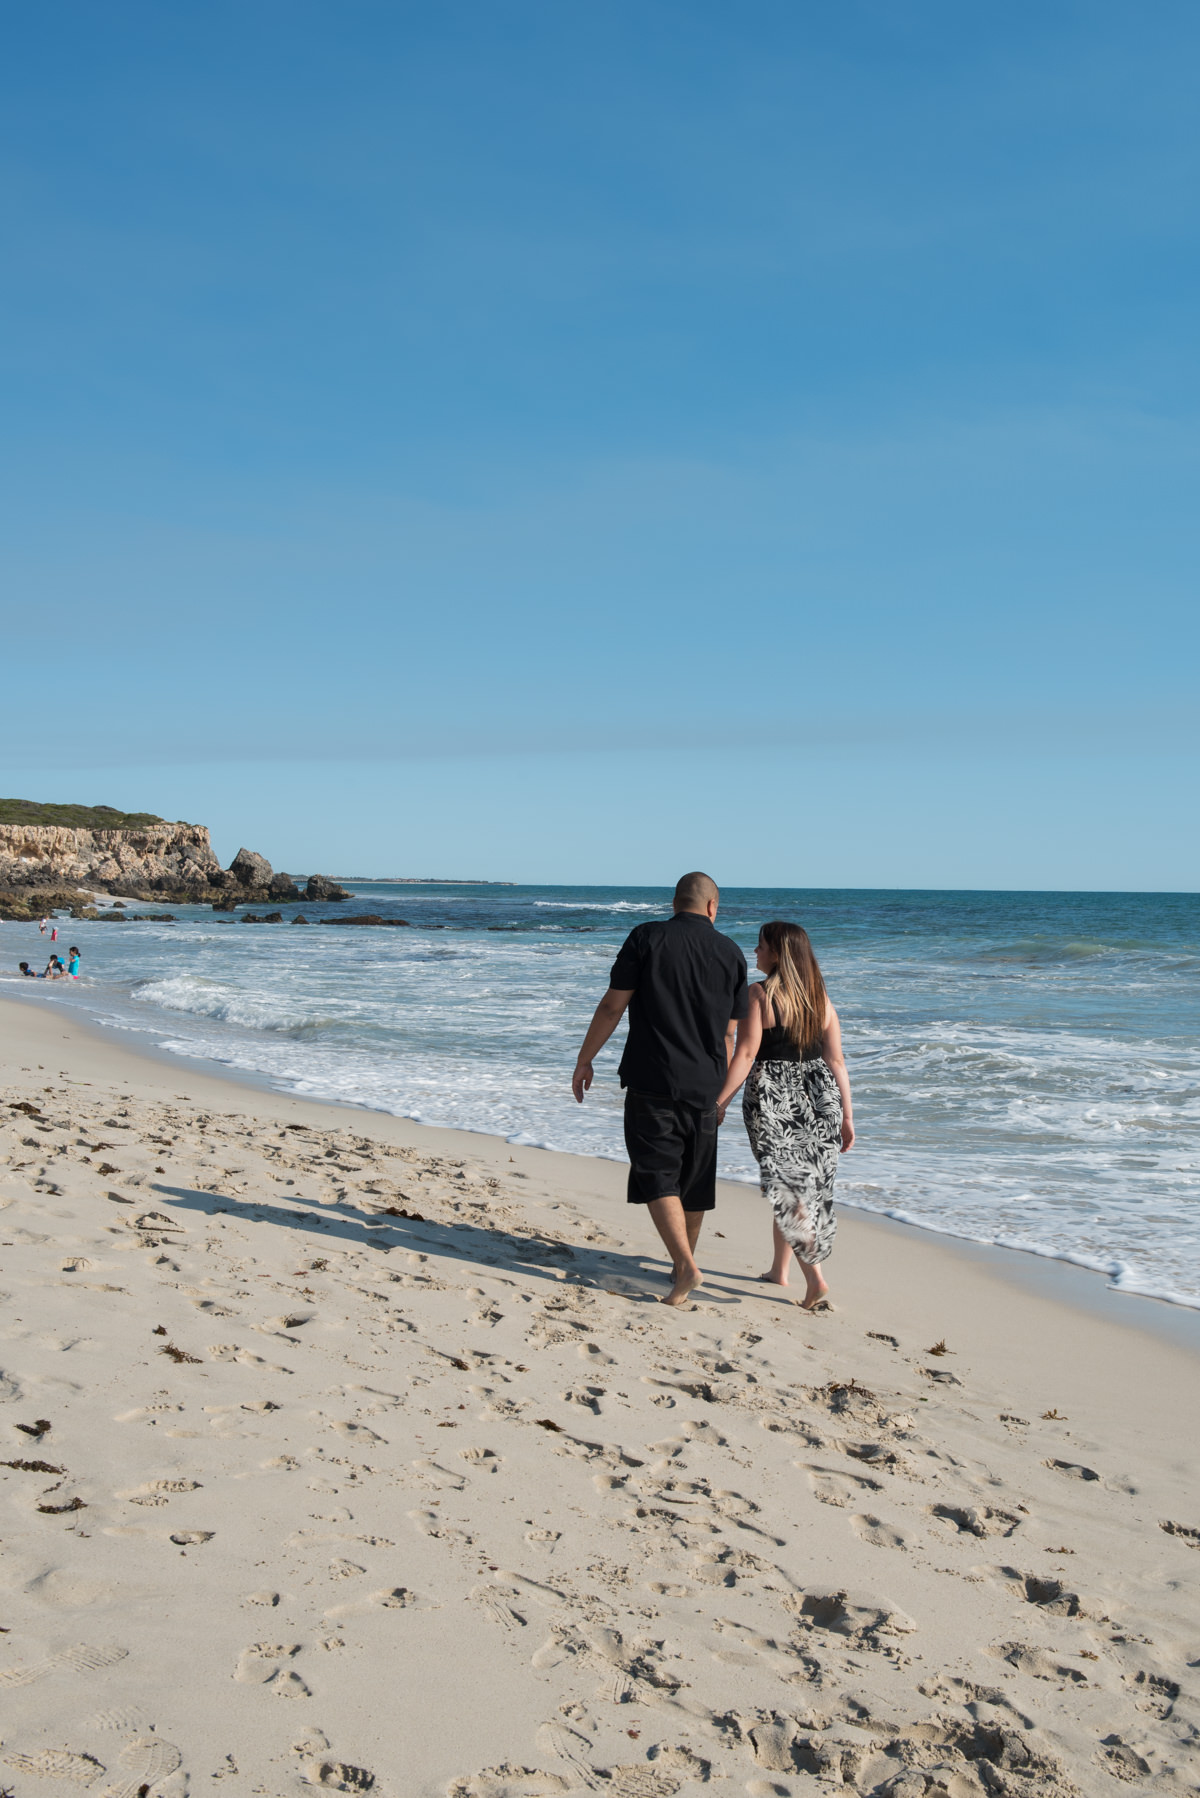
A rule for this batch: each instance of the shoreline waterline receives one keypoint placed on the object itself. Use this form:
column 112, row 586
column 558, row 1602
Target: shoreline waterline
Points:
column 1026, row 1068
column 1053, row 1278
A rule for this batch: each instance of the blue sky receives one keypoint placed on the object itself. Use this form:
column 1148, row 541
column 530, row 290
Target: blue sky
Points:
column 568, row 443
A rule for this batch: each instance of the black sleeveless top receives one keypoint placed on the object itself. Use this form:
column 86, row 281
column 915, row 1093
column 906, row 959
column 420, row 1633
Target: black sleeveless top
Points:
column 777, row 1045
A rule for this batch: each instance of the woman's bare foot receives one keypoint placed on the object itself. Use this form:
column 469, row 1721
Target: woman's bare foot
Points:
column 817, row 1286
column 686, row 1281
column 774, row 1279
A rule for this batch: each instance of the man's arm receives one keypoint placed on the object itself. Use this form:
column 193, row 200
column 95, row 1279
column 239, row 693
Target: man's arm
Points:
column 609, row 1013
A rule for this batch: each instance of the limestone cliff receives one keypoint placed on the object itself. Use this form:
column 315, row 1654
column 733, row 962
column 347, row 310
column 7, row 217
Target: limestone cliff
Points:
column 154, row 857
column 45, row 866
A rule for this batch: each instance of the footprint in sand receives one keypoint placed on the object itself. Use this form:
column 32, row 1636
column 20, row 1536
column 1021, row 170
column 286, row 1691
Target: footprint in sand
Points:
column 1047, row 1593
column 662, row 1780
column 872, row 1529
column 265, row 1664
column 288, row 1684
column 727, row 1566
column 388, row 1598
column 1153, row 1693
column 124, row 1717
column 571, row 1746
column 57, row 1586
column 338, row 1776
column 443, row 1478
column 586, row 1396
column 509, row 1781
column 838, row 1488
column 1072, row 1470
column 976, row 1520
column 259, row 1663
column 148, row 1761
column 485, row 1460
column 78, row 1659
column 397, row 1598
column 1038, row 1662
column 703, row 1435
column 951, row 1690
column 154, row 1490
column 1188, row 1536
column 58, row 1763
column 754, row 1650
column 358, row 1432
column 495, row 1610
column 859, row 1617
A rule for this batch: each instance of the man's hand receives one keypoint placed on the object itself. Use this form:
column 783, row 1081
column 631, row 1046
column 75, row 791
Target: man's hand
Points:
column 721, row 1110
column 609, row 1013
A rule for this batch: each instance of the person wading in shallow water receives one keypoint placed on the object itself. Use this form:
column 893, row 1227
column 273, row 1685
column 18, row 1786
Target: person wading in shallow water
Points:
column 685, row 988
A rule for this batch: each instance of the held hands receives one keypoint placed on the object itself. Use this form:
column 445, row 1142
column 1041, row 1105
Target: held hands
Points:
column 721, row 1110
column 581, row 1079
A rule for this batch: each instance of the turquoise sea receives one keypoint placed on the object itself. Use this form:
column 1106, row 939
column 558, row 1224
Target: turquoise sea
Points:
column 1026, row 1066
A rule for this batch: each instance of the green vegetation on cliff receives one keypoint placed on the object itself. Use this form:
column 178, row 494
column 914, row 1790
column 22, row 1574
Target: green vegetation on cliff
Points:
column 73, row 817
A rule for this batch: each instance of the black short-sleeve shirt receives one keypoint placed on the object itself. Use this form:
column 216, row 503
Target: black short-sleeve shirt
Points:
column 687, row 982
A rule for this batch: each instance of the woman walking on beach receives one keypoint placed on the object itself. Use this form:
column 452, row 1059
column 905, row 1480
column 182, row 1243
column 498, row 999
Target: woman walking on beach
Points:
column 797, row 1104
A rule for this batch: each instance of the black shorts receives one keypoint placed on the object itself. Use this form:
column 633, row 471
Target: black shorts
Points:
column 672, row 1151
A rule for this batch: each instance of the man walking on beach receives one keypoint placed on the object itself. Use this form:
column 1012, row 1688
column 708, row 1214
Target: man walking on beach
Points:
column 685, row 987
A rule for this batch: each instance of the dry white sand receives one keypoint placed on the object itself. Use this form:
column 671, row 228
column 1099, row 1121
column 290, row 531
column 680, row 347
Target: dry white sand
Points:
column 347, row 1454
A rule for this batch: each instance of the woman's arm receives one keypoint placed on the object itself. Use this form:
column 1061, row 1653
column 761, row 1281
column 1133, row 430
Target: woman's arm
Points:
column 749, row 1036
column 835, row 1061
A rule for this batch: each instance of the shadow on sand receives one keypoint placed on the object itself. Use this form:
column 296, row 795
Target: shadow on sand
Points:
column 469, row 1243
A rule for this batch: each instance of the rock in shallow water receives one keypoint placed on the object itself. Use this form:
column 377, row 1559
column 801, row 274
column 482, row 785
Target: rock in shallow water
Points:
column 251, row 869
column 372, row 918
column 320, row 889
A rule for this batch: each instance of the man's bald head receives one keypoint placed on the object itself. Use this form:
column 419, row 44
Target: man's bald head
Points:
column 694, row 892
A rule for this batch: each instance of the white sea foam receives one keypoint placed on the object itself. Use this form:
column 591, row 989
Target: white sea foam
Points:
column 617, row 905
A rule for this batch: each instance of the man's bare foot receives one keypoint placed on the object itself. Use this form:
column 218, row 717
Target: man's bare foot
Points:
column 773, row 1279
column 686, row 1281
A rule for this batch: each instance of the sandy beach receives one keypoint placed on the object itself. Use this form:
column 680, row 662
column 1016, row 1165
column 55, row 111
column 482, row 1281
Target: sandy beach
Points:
column 310, row 1404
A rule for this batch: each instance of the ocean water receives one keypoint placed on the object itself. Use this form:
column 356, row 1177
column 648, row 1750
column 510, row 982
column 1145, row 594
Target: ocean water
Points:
column 1026, row 1066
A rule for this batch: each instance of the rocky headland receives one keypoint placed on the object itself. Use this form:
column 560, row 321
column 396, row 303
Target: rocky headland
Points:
column 48, row 865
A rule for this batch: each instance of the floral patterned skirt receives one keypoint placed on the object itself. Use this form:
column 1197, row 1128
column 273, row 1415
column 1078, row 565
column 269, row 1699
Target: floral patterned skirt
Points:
column 793, row 1115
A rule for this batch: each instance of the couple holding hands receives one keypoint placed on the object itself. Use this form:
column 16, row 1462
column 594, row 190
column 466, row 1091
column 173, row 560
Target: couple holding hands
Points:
column 697, row 1032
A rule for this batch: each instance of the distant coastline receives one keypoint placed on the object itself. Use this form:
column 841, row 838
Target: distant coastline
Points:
column 418, row 880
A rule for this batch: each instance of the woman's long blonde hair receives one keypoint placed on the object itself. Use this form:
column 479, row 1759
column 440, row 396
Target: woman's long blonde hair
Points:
column 794, row 988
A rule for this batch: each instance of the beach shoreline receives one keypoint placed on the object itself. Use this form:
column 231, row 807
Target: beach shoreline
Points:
column 1050, row 1277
